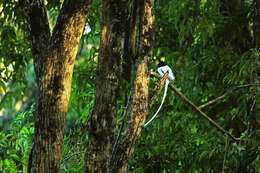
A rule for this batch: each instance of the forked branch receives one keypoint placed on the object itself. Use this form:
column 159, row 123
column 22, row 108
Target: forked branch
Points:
column 197, row 110
column 226, row 94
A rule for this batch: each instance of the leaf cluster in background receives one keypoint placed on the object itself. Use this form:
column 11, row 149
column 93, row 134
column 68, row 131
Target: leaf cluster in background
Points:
column 15, row 143
column 210, row 51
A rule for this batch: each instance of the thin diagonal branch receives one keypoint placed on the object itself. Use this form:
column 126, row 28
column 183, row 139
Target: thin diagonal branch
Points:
column 197, row 110
column 225, row 95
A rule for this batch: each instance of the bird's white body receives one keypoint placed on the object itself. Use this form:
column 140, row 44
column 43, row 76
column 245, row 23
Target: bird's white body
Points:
column 162, row 70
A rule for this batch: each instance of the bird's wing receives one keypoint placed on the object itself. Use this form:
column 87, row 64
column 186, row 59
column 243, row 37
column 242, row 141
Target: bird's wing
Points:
column 164, row 69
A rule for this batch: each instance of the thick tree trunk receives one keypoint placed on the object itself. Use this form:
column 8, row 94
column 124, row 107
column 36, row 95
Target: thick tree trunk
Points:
column 54, row 58
column 101, row 133
column 125, row 147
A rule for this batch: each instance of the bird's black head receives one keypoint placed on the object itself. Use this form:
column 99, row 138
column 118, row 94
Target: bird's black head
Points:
column 161, row 63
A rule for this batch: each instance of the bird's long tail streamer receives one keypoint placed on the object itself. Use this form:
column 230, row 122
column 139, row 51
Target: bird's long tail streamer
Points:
column 164, row 96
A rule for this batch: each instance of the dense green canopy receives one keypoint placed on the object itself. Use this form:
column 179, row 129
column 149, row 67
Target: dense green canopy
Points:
column 213, row 48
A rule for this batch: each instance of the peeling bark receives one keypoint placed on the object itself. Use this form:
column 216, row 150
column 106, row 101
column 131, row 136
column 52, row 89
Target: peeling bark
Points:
column 54, row 57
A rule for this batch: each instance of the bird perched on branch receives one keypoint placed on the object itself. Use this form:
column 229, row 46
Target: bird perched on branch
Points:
column 162, row 69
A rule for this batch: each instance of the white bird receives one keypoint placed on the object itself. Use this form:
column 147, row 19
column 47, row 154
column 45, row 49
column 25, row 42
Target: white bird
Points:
column 162, row 69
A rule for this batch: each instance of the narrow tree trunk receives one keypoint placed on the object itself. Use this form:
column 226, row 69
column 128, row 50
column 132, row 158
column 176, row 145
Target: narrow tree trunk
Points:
column 54, row 58
column 125, row 148
column 130, row 37
column 101, row 133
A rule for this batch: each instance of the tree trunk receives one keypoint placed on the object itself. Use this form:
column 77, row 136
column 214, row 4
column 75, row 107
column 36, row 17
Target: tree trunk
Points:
column 125, row 147
column 130, row 39
column 54, row 57
column 101, row 133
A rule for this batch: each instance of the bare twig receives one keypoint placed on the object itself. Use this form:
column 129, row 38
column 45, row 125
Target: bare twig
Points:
column 72, row 155
column 197, row 110
column 225, row 155
column 214, row 100
column 226, row 94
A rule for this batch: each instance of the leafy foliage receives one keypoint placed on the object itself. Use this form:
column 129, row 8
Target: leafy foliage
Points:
column 15, row 143
column 209, row 58
column 211, row 50
column 15, row 61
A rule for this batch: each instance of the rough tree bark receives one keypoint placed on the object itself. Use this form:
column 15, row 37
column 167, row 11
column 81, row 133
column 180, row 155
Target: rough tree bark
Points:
column 140, row 108
column 54, row 55
column 101, row 133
